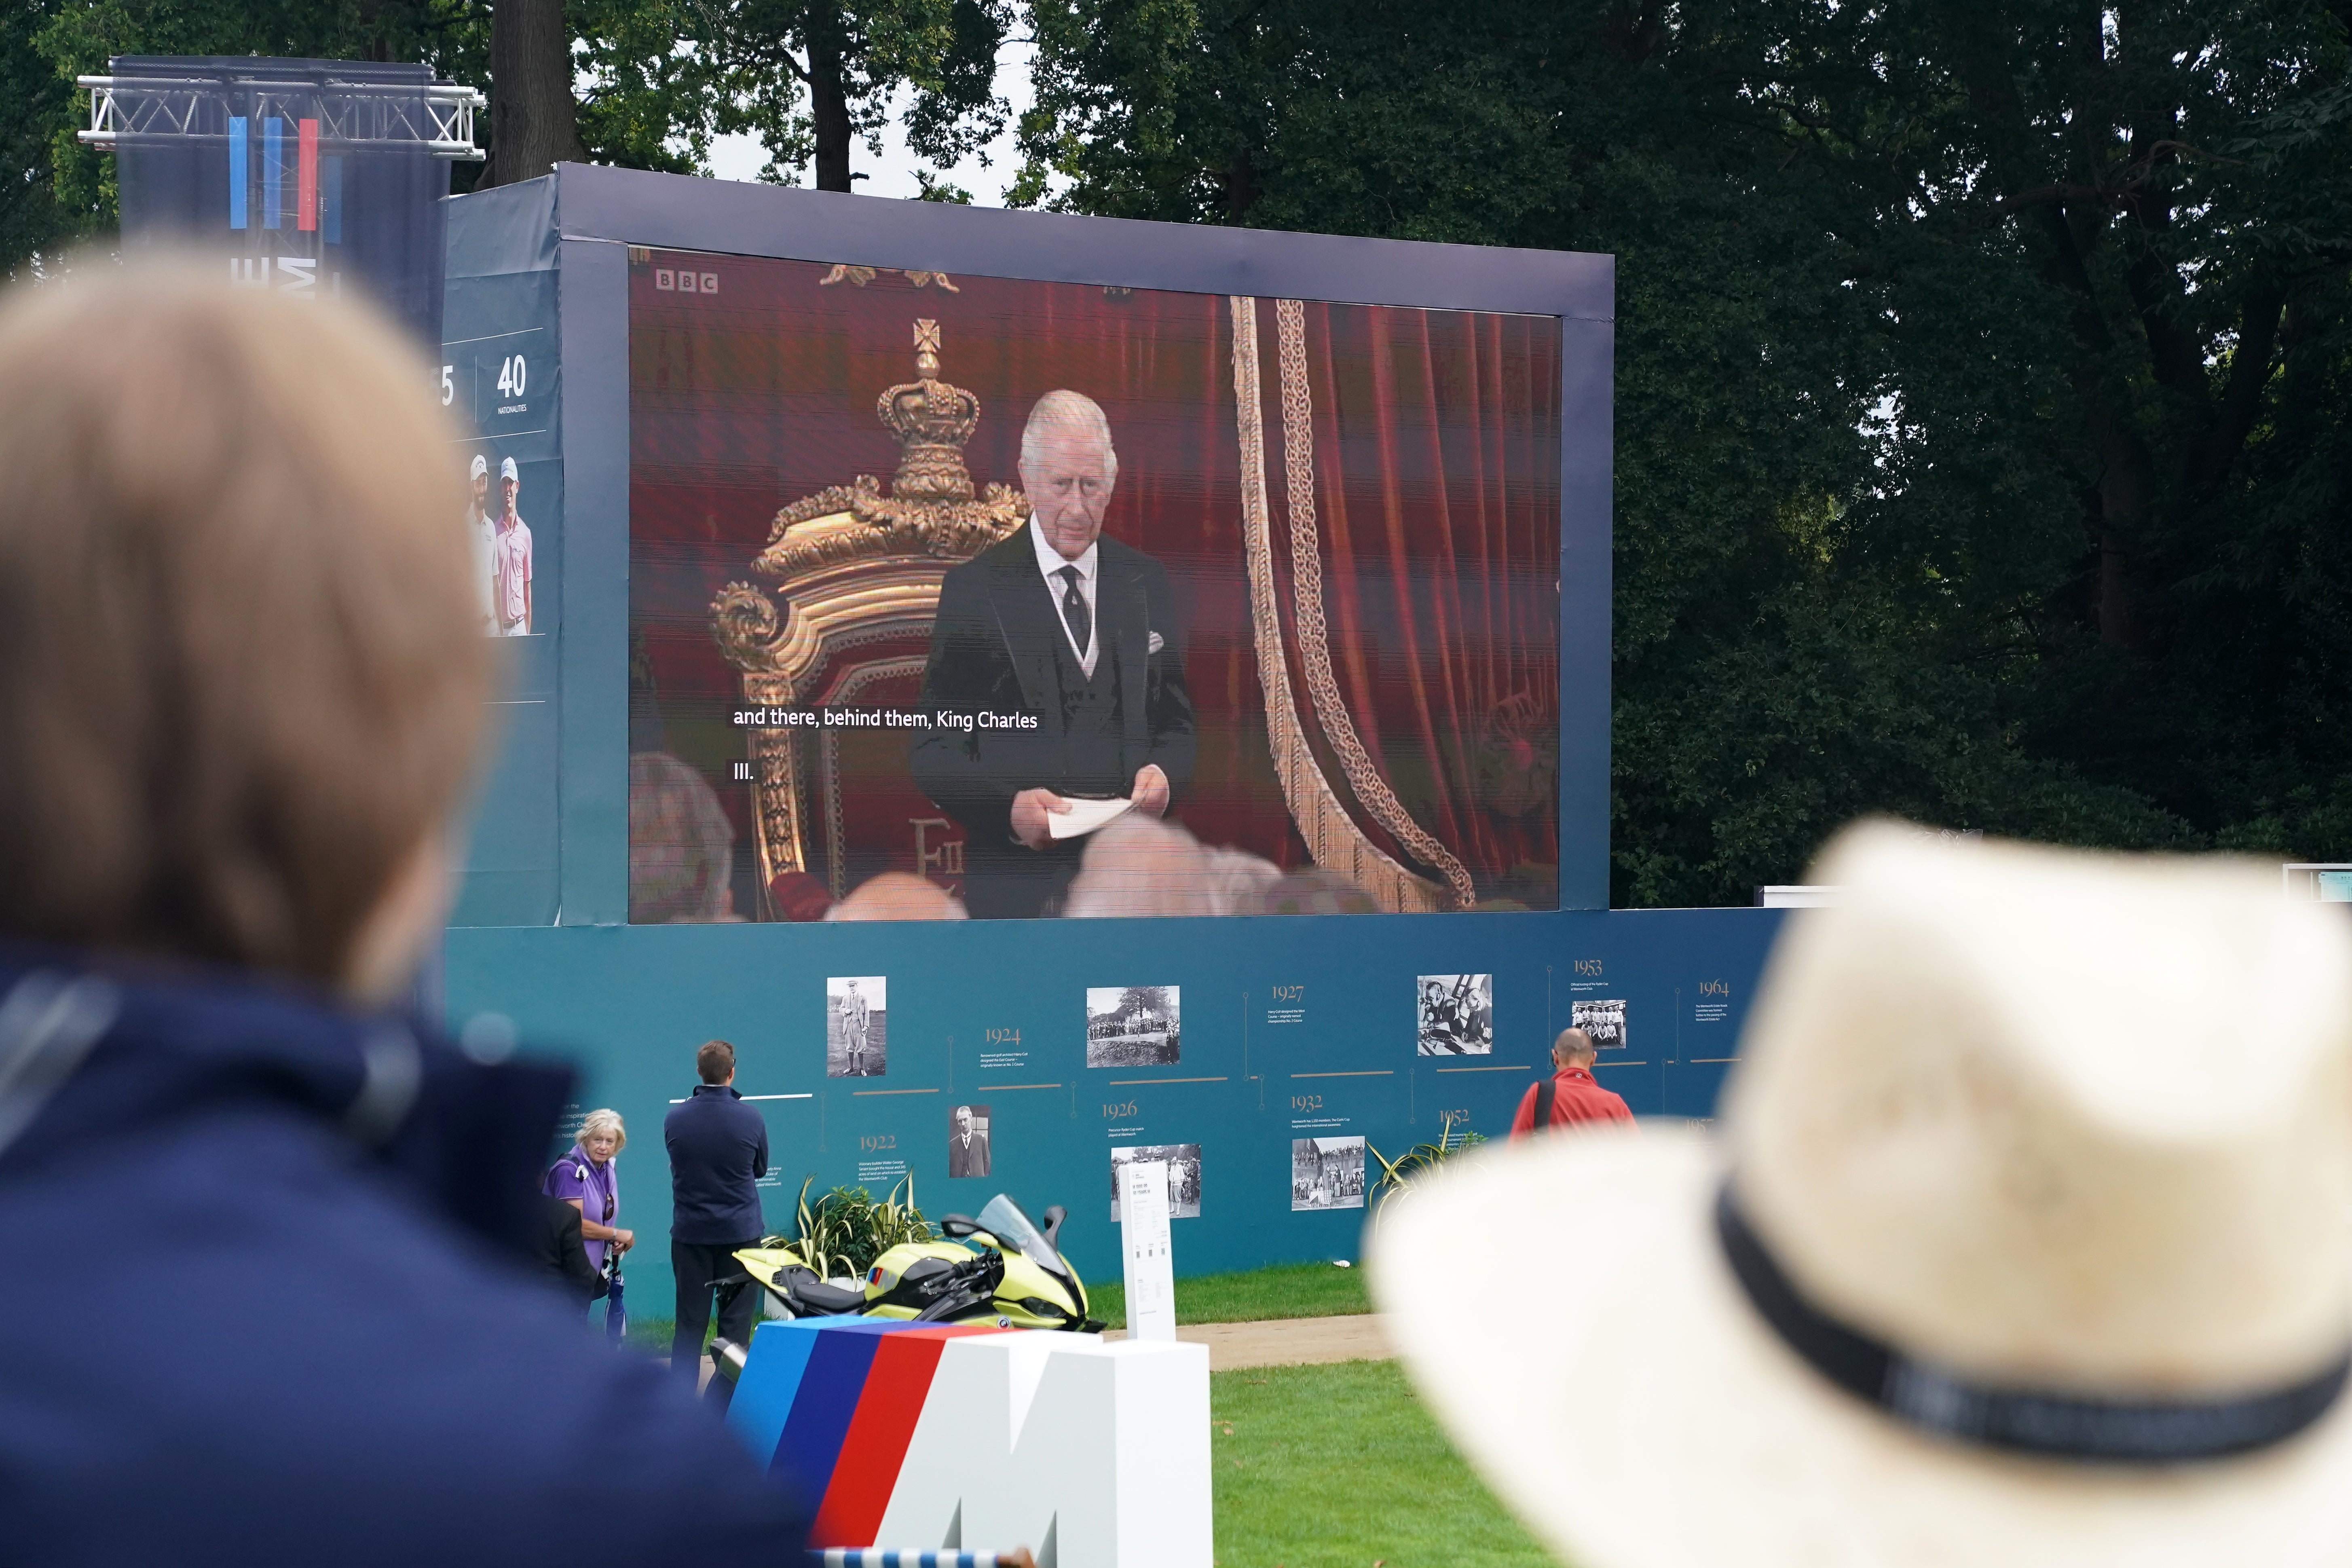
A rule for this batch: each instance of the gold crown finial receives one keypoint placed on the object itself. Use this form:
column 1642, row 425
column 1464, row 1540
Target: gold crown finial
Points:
column 932, row 420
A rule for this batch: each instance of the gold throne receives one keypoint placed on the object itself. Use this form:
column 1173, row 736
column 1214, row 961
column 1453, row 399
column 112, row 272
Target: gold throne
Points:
column 856, row 574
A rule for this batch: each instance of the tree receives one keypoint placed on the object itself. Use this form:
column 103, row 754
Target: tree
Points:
column 1981, row 444
column 2162, row 190
column 535, row 125
column 849, row 57
column 36, row 107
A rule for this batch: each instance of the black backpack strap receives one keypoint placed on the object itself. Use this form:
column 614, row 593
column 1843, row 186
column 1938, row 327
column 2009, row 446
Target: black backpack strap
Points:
column 1543, row 1106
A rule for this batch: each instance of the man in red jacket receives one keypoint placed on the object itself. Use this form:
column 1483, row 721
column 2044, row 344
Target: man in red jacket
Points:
column 1571, row 1096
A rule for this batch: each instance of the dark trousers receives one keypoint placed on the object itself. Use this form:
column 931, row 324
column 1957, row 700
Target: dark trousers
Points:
column 697, row 1265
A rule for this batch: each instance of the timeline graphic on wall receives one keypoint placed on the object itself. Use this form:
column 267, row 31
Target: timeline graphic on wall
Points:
column 1327, row 1173
column 1602, row 1020
column 1456, row 1014
column 969, row 1153
column 1139, row 1028
column 1183, row 1162
column 1132, row 1025
column 856, row 1026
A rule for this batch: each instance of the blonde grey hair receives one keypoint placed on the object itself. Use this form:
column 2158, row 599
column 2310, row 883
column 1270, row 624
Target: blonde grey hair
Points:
column 184, row 776
column 605, row 1119
column 1068, row 411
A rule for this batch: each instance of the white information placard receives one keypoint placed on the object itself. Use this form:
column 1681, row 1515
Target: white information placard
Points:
column 1151, row 1268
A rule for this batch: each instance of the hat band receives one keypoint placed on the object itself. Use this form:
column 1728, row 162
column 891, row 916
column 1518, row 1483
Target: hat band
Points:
column 2021, row 1420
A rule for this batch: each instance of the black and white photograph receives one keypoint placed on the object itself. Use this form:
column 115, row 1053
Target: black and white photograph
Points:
column 968, row 1141
column 1184, row 1175
column 856, row 1036
column 1132, row 1025
column 1327, row 1173
column 1456, row 1014
column 1605, row 1021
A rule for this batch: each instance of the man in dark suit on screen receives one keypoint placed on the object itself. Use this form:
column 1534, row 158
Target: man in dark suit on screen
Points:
column 1071, row 643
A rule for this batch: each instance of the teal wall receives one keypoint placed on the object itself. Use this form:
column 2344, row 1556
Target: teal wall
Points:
column 629, row 1004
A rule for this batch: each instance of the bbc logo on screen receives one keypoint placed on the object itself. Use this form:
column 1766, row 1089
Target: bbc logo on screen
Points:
column 681, row 281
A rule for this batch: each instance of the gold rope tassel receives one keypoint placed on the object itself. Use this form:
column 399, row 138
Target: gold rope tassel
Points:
column 1332, row 836
column 1306, row 608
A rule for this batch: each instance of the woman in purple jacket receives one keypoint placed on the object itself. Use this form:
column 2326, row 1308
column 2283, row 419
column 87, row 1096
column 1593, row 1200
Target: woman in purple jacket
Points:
column 585, row 1179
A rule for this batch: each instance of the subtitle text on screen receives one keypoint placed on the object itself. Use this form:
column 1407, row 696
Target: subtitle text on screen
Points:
column 829, row 716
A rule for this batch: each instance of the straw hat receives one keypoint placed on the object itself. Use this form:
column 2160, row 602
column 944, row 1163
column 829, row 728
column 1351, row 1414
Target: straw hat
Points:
column 2025, row 1242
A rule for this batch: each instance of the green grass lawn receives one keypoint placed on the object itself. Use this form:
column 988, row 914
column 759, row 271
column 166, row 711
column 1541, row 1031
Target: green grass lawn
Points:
column 1339, row 1467
column 1284, row 1290
column 653, row 1334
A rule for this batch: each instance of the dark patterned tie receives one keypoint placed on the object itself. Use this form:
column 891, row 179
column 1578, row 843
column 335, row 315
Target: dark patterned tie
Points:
column 1074, row 610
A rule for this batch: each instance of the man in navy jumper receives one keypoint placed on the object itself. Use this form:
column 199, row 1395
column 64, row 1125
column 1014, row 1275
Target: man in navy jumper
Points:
column 718, row 1152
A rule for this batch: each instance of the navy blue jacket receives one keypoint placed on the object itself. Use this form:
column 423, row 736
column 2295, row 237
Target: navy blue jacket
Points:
column 718, row 1152
column 266, row 1299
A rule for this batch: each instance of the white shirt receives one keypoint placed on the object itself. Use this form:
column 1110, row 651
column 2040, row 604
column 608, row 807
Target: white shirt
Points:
column 512, row 555
column 1050, row 562
column 485, row 545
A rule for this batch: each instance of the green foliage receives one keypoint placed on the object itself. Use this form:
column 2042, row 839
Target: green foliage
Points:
column 931, row 188
column 806, row 76
column 1284, row 1290
column 38, row 216
column 1398, row 1175
column 1341, row 1466
column 1981, row 426
column 649, row 99
column 842, row 1233
column 652, row 1335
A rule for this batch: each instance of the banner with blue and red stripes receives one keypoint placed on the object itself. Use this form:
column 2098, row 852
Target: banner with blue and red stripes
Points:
column 274, row 160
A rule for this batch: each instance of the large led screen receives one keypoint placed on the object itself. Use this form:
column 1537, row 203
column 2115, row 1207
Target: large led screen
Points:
column 959, row 595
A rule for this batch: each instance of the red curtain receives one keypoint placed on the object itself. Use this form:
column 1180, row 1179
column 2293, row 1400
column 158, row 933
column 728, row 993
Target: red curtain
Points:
column 1436, row 453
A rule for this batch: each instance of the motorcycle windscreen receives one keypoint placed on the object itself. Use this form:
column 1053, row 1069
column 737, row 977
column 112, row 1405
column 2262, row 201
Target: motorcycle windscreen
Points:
column 1003, row 1219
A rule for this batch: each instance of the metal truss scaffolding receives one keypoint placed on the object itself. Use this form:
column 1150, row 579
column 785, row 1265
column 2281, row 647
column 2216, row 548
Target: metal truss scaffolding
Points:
column 438, row 116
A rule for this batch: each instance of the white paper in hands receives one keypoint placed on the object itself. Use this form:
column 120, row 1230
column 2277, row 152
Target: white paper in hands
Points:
column 1084, row 816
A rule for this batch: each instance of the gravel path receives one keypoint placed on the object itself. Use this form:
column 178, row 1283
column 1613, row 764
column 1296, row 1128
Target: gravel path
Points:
column 1278, row 1341
column 1286, row 1342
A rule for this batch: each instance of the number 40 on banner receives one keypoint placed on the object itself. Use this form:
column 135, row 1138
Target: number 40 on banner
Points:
column 514, row 376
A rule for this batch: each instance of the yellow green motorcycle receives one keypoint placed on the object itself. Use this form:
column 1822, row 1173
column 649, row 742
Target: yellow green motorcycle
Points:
column 999, row 1268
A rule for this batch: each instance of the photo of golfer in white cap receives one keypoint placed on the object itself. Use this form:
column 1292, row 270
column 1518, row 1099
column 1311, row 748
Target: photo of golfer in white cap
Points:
column 511, row 559
column 2022, row 1242
column 482, row 530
